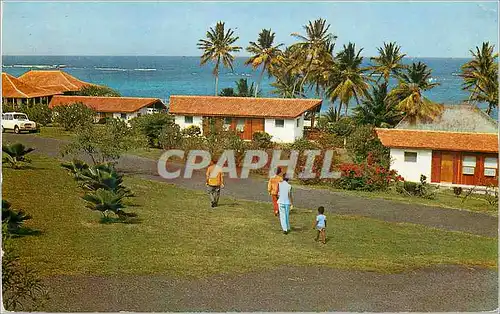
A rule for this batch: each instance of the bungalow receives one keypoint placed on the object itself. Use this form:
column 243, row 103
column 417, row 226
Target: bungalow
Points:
column 56, row 81
column 16, row 92
column 459, row 148
column 124, row 108
column 282, row 118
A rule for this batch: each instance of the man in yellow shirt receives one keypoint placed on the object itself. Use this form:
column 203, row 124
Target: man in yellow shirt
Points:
column 272, row 189
column 215, row 181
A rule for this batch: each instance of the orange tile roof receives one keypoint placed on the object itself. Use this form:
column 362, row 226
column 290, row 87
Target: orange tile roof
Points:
column 54, row 80
column 14, row 88
column 439, row 140
column 241, row 106
column 107, row 104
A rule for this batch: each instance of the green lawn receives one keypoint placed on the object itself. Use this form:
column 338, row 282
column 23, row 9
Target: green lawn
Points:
column 178, row 235
column 55, row 132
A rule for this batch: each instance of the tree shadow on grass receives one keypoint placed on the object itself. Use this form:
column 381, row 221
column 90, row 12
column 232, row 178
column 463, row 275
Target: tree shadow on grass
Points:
column 23, row 231
column 115, row 220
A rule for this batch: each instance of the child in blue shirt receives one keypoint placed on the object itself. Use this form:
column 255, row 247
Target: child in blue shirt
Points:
column 320, row 225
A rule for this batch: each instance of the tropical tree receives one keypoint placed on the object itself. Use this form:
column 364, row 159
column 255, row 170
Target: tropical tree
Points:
column 15, row 154
column 312, row 45
column 408, row 96
column 218, row 47
column 481, row 76
column 388, row 62
column 349, row 82
column 287, row 69
column 242, row 90
column 96, row 90
column 227, row 92
column 285, row 86
column 263, row 53
column 374, row 109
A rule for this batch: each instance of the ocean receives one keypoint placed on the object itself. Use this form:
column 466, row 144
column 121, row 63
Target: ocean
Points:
column 161, row 76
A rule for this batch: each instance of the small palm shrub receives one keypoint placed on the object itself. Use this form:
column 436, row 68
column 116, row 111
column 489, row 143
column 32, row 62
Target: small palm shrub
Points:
column 75, row 167
column 419, row 189
column 15, row 155
column 13, row 219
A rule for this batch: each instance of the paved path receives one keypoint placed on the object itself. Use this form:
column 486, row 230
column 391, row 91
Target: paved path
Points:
column 306, row 289
column 435, row 289
column 255, row 189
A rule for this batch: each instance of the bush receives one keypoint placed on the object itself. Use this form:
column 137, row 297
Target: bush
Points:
column 262, row 140
column 95, row 90
column 363, row 142
column 40, row 113
column 419, row 189
column 192, row 131
column 15, row 155
column 366, row 176
column 343, row 127
column 152, row 126
column 328, row 140
column 457, row 190
column 73, row 116
column 170, row 137
column 13, row 219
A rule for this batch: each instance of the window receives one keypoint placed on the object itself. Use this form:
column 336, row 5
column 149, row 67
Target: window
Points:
column 469, row 165
column 410, row 157
column 279, row 123
column 123, row 116
column 298, row 122
column 490, row 166
column 188, row 119
column 240, row 125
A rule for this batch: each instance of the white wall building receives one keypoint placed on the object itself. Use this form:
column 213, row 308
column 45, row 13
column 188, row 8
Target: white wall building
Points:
column 282, row 118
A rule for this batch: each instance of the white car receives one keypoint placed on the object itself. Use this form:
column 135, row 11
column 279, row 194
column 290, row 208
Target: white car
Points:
column 18, row 122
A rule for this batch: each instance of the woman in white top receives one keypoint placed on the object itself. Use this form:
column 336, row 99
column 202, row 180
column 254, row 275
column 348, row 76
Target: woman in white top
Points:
column 285, row 201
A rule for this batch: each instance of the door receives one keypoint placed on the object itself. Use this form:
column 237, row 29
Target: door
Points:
column 447, row 167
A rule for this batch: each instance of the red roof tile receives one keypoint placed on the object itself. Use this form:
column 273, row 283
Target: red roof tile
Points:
column 107, row 104
column 14, row 88
column 241, row 106
column 54, row 80
column 439, row 140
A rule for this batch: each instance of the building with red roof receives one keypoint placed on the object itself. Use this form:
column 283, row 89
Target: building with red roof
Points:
column 458, row 148
column 16, row 92
column 282, row 118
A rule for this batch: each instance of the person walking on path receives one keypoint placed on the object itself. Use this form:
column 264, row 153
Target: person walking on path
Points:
column 285, row 202
column 320, row 225
column 272, row 189
column 215, row 181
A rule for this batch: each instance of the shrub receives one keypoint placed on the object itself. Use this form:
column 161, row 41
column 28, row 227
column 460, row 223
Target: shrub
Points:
column 262, row 140
column 329, row 140
column 96, row 90
column 170, row 136
column 343, row 127
column 152, row 126
column 419, row 189
column 15, row 154
column 40, row 113
column 364, row 141
column 192, row 131
column 366, row 176
column 457, row 190
column 73, row 116
column 11, row 218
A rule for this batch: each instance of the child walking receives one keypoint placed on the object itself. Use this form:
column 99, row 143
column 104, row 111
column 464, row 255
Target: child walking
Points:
column 320, row 225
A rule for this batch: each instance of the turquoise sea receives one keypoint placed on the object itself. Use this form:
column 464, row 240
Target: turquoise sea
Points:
column 160, row 77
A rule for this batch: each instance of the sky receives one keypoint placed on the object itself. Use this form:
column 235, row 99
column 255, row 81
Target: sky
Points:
column 423, row 29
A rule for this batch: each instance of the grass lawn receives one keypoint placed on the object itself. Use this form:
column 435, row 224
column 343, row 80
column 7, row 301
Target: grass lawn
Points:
column 179, row 236
column 55, row 132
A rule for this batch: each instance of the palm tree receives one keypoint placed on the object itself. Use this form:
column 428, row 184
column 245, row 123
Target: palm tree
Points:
column 286, row 69
column 242, row 90
column 316, row 40
column 218, row 47
column 15, row 154
column 227, row 92
column 481, row 76
column 388, row 62
column 374, row 109
column 263, row 53
column 286, row 86
column 349, row 81
column 104, row 201
column 407, row 96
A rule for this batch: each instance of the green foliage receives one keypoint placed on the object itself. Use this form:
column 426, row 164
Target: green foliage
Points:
column 192, row 131
column 170, row 136
column 364, row 141
column 96, row 90
column 420, row 189
column 102, row 176
column 104, row 201
column 152, row 126
column 75, row 167
column 22, row 289
column 227, row 92
column 375, row 110
column 73, row 116
column 13, row 219
column 342, row 127
column 104, row 143
column 218, row 139
column 262, row 140
column 15, row 154
column 366, row 176
column 40, row 113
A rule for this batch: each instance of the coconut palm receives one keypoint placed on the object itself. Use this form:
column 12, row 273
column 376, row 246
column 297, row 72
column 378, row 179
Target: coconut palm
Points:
column 388, row 62
column 15, row 154
column 408, row 97
column 316, row 40
column 349, row 81
column 374, row 109
column 481, row 76
column 287, row 71
column 263, row 53
column 285, row 86
column 218, row 47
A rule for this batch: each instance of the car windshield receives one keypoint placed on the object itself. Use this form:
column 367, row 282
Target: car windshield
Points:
column 20, row 117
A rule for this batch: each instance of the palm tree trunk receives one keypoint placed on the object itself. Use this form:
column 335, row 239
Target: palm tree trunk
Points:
column 216, row 84
column 339, row 111
column 260, row 80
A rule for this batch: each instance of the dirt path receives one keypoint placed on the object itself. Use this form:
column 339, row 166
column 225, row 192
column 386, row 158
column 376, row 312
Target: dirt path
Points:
column 255, row 189
column 307, row 289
